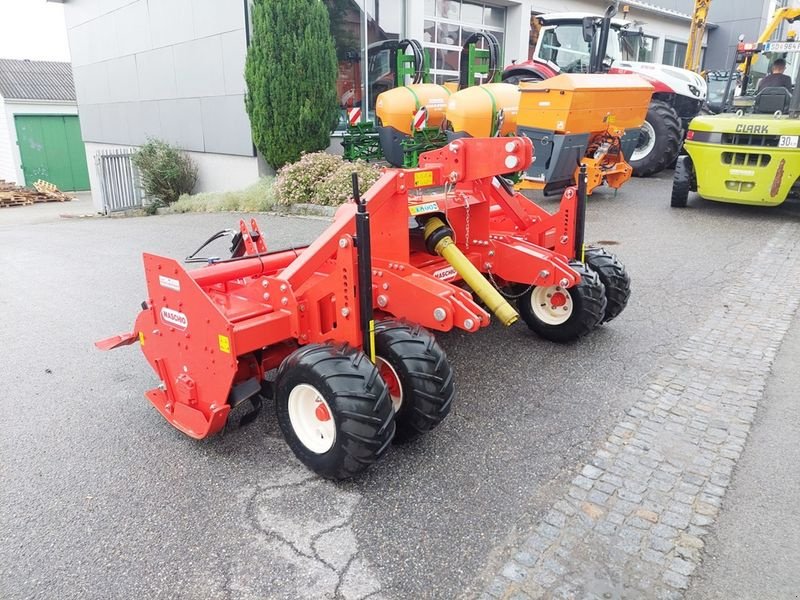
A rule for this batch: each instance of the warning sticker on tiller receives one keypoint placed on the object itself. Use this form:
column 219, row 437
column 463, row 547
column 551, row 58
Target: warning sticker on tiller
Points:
column 423, row 178
column 169, row 283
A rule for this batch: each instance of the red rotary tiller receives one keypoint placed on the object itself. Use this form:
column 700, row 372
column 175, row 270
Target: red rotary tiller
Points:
column 344, row 320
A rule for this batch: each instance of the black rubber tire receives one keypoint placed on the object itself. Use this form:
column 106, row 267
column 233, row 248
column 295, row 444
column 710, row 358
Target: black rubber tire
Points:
column 667, row 127
column 615, row 279
column 425, row 375
column 518, row 77
column 359, row 405
column 692, row 175
column 589, row 307
column 681, row 182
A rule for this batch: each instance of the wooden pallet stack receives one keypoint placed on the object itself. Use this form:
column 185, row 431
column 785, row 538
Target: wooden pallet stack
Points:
column 15, row 195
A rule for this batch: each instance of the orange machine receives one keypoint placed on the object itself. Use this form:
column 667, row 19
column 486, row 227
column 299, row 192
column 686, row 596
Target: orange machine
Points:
column 405, row 111
column 580, row 118
column 396, row 107
column 467, row 111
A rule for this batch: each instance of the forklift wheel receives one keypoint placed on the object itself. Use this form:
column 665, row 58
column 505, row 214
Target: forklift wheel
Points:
column 565, row 314
column 682, row 182
column 418, row 376
column 614, row 277
column 334, row 409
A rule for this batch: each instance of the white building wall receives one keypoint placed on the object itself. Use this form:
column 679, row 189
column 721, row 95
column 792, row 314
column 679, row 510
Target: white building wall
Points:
column 222, row 172
column 8, row 110
column 7, row 171
column 216, row 172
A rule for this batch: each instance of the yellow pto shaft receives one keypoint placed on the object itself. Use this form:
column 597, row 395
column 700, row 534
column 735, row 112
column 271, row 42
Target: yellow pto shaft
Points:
column 447, row 249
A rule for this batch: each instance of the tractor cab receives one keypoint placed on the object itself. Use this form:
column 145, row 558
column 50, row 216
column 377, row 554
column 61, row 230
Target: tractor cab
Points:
column 577, row 42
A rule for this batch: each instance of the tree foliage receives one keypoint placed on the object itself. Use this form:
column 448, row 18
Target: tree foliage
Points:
column 291, row 72
column 166, row 172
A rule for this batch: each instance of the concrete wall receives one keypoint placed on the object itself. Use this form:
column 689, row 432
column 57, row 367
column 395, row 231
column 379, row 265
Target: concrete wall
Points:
column 171, row 69
column 10, row 160
column 737, row 17
column 733, row 17
column 216, row 172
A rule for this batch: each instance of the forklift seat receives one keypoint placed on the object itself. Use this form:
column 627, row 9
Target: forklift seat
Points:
column 772, row 99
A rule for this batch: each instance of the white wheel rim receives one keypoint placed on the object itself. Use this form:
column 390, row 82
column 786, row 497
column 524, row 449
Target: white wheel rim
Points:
column 551, row 305
column 395, row 387
column 311, row 418
column 647, row 148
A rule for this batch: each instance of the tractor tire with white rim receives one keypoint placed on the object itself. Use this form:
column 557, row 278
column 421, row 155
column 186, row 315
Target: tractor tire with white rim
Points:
column 615, row 279
column 334, row 409
column 565, row 314
column 659, row 141
column 418, row 375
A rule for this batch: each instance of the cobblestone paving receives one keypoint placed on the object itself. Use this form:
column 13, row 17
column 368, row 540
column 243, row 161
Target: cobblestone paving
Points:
column 632, row 523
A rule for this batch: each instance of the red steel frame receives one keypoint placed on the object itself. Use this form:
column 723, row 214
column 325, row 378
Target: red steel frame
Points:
column 206, row 330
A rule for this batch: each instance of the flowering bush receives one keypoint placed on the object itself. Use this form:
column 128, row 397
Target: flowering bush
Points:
column 321, row 178
column 338, row 187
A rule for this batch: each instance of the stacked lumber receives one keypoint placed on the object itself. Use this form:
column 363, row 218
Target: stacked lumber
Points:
column 15, row 195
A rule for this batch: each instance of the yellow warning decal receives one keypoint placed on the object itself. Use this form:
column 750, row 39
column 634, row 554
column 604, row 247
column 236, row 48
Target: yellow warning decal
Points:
column 423, row 178
column 141, row 338
column 421, row 209
column 224, row 343
column 372, row 340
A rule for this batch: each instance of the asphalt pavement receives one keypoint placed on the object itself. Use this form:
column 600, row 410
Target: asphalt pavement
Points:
column 103, row 499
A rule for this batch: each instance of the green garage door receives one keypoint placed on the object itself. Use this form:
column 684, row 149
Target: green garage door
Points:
column 51, row 149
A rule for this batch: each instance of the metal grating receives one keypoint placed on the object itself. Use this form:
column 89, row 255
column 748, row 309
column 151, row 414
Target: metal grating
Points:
column 119, row 180
column 745, row 159
column 748, row 139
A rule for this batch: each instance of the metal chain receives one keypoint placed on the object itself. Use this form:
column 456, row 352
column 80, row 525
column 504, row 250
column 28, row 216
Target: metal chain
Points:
column 504, row 294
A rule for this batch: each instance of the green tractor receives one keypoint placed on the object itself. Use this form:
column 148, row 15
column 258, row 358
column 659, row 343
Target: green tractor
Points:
column 744, row 158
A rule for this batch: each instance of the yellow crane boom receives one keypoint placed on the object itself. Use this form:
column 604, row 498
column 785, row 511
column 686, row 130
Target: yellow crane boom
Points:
column 695, row 46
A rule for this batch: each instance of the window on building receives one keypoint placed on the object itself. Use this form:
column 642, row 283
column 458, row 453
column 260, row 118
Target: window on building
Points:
column 360, row 39
column 640, row 48
column 384, row 22
column 674, row 53
column 448, row 24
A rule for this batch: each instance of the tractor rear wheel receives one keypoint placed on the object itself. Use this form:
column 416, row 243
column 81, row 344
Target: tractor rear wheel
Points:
column 565, row 314
column 659, row 140
column 418, row 375
column 615, row 278
column 334, row 409
column 518, row 77
column 682, row 180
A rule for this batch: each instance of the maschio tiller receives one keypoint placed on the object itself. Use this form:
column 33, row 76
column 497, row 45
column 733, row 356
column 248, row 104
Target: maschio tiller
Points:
column 337, row 332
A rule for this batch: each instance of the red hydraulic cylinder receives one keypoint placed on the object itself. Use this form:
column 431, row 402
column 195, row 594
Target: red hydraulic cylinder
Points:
column 248, row 267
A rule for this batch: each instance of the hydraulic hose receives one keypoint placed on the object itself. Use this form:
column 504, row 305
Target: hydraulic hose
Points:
column 447, row 249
